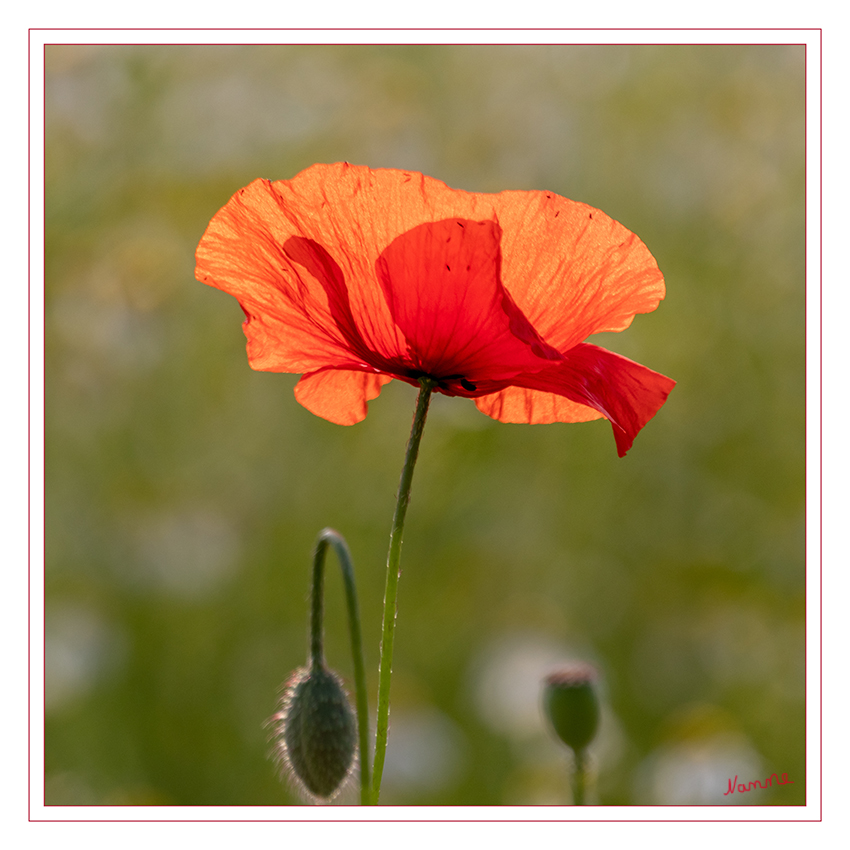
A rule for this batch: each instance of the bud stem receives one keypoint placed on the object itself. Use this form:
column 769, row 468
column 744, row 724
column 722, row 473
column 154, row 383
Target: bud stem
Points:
column 329, row 536
column 391, row 593
column 579, row 777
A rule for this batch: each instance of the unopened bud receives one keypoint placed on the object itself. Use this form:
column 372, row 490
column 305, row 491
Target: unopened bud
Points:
column 316, row 731
column 571, row 704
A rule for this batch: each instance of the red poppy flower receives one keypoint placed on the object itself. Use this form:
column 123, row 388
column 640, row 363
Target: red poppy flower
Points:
column 355, row 276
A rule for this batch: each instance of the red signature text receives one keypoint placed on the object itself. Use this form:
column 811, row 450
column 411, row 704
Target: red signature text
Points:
column 741, row 787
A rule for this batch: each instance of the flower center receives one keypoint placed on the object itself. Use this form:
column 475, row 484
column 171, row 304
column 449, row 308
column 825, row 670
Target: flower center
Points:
column 442, row 380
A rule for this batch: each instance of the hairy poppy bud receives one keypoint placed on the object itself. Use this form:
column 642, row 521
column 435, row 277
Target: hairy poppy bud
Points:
column 570, row 702
column 316, row 731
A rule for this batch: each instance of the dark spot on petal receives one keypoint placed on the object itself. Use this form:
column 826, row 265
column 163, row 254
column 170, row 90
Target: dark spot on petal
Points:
column 448, row 267
column 557, row 213
column 467, row 385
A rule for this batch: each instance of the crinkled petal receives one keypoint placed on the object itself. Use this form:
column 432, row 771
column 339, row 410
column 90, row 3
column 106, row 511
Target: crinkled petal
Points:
column 571, row 269
column 442, row 284
column 592, row 379
column 325, row 269
column 353, row 213
column 339, row 395
column 290, row 323
column 524, row 406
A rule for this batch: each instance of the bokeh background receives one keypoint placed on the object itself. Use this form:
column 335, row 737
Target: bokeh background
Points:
column 184, row 491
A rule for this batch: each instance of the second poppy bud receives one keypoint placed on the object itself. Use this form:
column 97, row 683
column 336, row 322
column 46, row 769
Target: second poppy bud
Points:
column 571, row 704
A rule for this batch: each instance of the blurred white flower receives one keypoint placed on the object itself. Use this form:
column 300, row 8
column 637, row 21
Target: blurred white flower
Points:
column 425, row 752
column 507, row 681
column 697, row 772
column 189, row 553
column 80, row 648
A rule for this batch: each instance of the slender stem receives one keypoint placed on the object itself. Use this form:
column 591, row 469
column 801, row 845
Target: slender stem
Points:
column 579, row 777
column 326, row 536
column 317, row 597
column 391, row 592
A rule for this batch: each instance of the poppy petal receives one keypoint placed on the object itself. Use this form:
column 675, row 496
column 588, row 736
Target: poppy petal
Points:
column 344, row 272
column 442, row 283
column 290, row 324
column 339, row 395
column 593, row 378
column 571, row 269
column 524, row 406
column 355, row 212
column 317, row 261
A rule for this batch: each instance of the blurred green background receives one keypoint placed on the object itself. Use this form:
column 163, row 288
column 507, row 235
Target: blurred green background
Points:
column 184, row 491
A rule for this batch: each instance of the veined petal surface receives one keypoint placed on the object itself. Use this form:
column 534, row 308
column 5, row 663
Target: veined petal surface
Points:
column 354, row 276
column 571, row 269
column 594, row 381
column 442, row 283
column 339, row 395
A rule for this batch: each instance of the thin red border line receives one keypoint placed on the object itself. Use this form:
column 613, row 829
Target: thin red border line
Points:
column 805, row 396
column 29, row 427
column 288, row 820
column 477, row 821
column 44, row 421
column 820, row 411
column 427, row 29
column 409, row 820
column 442, row 29
column 423, row 44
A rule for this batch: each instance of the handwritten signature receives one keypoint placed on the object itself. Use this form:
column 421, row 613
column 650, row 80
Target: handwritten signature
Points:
column 734, row 785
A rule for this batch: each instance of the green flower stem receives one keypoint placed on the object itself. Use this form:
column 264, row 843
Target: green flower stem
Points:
column 391, row 593
column 329, row 536
column 579, row 777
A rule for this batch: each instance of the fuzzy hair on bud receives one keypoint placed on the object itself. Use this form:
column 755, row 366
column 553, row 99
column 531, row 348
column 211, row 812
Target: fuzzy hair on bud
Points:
column 315, row 731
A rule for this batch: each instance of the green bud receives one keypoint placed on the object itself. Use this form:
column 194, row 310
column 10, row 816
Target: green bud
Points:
column 571, row 704
column 316, row 731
